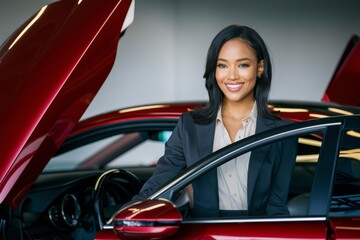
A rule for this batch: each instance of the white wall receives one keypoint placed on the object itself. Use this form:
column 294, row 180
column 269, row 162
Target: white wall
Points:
column 162, row 56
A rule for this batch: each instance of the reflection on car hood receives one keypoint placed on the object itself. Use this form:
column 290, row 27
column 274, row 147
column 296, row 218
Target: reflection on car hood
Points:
column 51, row 68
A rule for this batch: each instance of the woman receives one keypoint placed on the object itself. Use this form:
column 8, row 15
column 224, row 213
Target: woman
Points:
column 238, row 79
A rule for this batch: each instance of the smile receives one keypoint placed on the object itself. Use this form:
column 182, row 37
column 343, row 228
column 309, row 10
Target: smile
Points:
column 234, row 87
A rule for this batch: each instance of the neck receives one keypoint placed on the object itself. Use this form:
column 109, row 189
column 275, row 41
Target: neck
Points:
column 237, row 110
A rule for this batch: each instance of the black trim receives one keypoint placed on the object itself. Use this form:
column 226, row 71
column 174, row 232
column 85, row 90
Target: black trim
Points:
column 109, row 130
column 325, row 169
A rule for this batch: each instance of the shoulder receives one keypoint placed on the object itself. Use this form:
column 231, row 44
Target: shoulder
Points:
column 282, row 121
column 265, row 123
column 187, row 118
column 187, row 123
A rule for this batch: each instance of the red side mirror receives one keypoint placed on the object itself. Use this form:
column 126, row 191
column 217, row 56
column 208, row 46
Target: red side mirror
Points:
column 150, row 219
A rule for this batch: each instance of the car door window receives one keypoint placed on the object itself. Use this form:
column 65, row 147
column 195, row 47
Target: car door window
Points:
column 309, row 146
column 346, row 191
column 302, row 177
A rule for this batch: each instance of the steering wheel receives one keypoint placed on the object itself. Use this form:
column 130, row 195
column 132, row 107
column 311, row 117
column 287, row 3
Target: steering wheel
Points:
column 99, row 189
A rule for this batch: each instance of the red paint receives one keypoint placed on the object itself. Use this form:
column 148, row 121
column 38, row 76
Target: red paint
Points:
column 345, row 85
column 49, row 76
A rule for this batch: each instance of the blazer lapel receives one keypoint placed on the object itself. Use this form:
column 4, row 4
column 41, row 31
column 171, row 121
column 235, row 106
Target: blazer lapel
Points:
column 257, row 156
column 205, row 139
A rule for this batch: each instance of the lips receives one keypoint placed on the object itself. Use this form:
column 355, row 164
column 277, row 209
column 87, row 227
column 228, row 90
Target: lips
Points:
column 232, row 87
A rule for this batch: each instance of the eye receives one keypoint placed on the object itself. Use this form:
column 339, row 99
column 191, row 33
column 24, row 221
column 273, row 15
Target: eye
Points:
column 221, row 65
column 244, row 65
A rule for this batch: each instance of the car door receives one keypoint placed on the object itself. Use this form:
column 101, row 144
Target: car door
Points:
column 344, row 211
column 309, row 193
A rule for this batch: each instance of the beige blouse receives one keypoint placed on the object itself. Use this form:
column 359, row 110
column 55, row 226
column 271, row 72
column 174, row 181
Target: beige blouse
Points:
column 232, row 176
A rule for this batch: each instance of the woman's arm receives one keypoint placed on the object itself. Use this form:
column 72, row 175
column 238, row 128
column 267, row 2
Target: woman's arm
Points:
column 169, row 165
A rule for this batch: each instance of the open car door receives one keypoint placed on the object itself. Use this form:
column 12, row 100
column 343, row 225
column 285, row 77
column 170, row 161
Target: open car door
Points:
column 344, row 86
column 51, row 69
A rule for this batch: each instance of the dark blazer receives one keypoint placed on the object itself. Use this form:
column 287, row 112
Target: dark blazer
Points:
column 270, row 168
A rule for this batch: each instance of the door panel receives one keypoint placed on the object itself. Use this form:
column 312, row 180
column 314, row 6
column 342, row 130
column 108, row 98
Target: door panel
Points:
column 254, row 230
column 345, row 202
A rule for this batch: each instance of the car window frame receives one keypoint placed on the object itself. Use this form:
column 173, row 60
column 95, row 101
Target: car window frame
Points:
column 319, row 202
column 350, row 126
column 91, row 135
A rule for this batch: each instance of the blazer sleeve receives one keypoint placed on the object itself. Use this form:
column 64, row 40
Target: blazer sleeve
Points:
column 281, row 178
column 169, row 165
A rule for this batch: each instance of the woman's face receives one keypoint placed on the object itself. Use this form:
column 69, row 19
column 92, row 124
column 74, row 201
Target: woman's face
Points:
column 237, row 70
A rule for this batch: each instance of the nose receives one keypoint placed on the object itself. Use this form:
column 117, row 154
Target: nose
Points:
column 233, row 74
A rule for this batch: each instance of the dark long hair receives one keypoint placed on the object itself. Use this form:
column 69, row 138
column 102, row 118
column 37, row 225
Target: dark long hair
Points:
column 208, row 113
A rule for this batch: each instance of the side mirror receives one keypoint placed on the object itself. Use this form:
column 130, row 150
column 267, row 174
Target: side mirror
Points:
column 150, row 219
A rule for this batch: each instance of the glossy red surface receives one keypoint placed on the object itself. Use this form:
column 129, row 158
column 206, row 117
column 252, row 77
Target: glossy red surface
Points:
column 150, row 210
column 244, row 230
column 62, row 56
column 258, row 230
column 147, row 220
column 165, row 110
column 106, row 235
column 346, row 228
column 345, row 85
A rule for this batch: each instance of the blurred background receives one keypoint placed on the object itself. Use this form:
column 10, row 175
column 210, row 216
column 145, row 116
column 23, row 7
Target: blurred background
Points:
column 161, row 58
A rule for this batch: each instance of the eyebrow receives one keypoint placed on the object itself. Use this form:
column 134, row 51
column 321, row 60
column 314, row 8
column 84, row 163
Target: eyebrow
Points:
column 238, row 60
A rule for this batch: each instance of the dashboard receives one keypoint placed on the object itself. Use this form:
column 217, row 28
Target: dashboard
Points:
column 62, row 206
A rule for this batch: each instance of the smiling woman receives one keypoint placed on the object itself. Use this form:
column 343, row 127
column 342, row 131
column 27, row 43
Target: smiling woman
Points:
column 238, row 78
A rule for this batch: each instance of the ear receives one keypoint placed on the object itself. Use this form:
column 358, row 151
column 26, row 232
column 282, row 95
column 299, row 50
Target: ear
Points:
column 260, row 68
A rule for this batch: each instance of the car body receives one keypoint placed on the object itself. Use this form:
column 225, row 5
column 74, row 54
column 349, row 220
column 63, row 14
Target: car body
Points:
column 154, row 122
column 227, row 228
column 44, row 195
column 329, row 212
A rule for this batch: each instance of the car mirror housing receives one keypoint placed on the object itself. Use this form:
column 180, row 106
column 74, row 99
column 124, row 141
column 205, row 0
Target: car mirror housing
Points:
column 150, row 219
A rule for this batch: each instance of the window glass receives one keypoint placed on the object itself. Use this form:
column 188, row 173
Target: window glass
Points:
column 346, row 191
column 71, row 159
column 304, row 171
column 301, row 179
column 145, row 154
column 125, row 150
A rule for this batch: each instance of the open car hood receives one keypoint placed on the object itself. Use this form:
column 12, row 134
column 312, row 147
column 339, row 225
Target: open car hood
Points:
column 344, row 86
column 51, row 68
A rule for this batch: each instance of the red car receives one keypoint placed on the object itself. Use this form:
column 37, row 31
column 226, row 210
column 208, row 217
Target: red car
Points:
column 60, row 179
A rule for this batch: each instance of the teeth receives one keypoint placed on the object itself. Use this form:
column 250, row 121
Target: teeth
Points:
column 233, row 85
